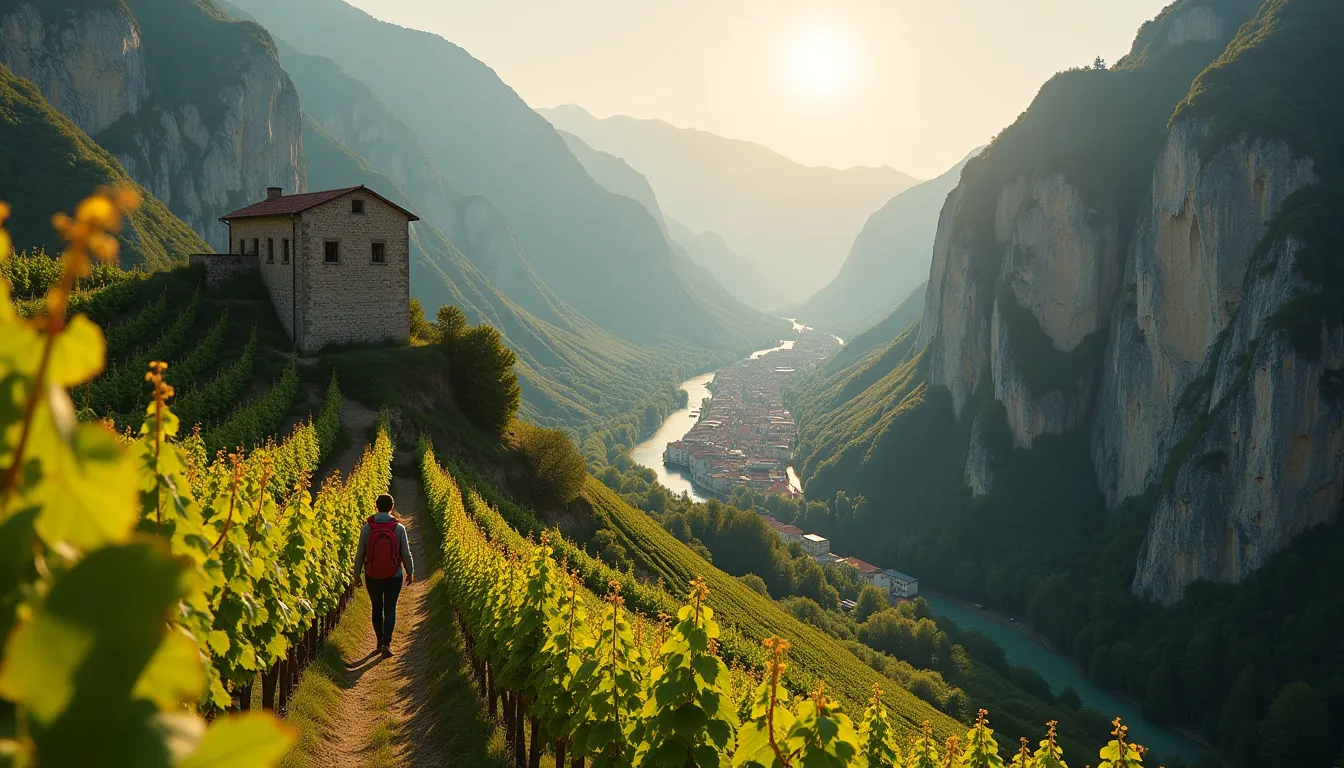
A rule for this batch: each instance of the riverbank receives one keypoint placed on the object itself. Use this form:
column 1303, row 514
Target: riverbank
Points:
column 1022, row 647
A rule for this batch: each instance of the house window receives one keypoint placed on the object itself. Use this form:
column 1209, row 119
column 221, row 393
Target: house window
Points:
column 379, row 253
column 242, row 245
column 357, row 207
column 284, row 251
column 270, row 250
column 331, row 251
column 256, row 246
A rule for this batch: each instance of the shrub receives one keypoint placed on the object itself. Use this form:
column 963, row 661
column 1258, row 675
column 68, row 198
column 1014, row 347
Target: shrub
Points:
column 558, row 468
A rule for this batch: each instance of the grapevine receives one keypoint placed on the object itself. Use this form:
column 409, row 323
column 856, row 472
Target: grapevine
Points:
column 572, row 670
column 260, row 418
column 104, row 544
column 204, row 404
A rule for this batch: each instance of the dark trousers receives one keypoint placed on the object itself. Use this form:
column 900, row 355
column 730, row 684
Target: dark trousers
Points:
column 383, row 594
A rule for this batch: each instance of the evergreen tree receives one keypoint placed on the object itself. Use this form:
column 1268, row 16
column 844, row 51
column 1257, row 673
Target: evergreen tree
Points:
column 1297, row 729
column 487, row 388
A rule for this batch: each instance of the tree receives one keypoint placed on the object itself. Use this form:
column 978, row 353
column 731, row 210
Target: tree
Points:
column 487, row 388
column 422, row 331
column 871, row 600
column 610, row 549
column 1159, row 699
column 755, row 584
column 451, row 323
column 557, row 467
column 1297, row 729
column 1099, row 63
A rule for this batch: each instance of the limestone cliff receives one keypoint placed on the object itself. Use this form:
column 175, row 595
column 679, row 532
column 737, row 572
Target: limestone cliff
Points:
column 1133, row 304
column 195, row 107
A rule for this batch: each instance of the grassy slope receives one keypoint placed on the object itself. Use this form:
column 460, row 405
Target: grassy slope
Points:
column 48, row 164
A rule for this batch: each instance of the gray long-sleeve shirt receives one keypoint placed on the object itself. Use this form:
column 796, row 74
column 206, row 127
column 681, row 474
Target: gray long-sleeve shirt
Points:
column 407, row 564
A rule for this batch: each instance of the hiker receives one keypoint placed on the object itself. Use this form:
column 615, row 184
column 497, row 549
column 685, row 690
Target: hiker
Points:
column 384, row 555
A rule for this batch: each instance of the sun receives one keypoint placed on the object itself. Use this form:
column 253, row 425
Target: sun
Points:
column 822, row 62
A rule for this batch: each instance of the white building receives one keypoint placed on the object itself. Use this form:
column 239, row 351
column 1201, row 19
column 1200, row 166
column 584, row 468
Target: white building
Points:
column 902, row 584
column 815, row 545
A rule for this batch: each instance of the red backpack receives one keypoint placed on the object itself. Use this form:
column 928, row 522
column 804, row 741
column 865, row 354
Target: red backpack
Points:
column 383, row 556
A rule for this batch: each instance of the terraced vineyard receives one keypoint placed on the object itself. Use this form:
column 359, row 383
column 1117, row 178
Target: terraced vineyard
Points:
column 814, row 654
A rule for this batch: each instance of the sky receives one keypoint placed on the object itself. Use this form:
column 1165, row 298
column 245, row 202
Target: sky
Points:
column 913, row 84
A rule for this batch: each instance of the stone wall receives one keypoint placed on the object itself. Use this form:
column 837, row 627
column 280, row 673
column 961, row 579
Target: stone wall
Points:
column 270, row 235
column 354, row 300
column 220, row 268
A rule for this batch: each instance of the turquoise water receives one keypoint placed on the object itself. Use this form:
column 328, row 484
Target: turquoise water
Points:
column 1059, row 671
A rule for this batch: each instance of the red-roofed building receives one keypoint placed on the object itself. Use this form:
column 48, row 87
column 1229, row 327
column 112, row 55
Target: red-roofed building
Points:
column 868, row 572
column 335, row 263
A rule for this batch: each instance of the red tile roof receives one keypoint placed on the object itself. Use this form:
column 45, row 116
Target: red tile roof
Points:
column 862, row 566
column 287, row 205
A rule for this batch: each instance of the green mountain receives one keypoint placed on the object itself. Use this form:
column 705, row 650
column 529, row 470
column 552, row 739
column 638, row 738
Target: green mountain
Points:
column 889, row 257
column 705, row 255
column 1119, row 414
column 174, row 89
column 601, row 253
column 47, row 164
column 793, row 222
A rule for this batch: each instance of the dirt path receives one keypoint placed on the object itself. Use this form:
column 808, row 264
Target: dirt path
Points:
column 380, row 719
column 359, row 422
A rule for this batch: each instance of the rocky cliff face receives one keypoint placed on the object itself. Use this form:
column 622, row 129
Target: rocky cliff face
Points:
column 91, row 67
column 1224, row 417
column 203, row 152
column 1055, row 282
column 1140, row 316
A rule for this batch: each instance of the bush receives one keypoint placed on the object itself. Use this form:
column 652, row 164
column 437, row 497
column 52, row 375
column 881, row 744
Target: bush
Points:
column 487, row 388
column 558, row 468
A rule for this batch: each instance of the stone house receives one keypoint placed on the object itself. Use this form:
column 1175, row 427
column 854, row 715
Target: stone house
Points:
column 336, row 264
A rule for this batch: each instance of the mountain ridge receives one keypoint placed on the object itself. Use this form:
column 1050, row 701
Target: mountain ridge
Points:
column 795, row 223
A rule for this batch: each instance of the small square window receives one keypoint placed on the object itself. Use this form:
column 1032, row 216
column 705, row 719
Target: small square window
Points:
column 331, row 251
column 357, row 206
column 270, row 250
column 284, row 251
column 379, row 253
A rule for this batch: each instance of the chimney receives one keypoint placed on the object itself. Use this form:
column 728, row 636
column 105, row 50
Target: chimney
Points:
column 274, row 193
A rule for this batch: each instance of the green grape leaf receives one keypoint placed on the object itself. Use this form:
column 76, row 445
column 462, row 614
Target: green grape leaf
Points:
column 16, row 563
column 174, row 676
column 90, row 488
column 242, row 741
column 77, row 354
column 75, row 664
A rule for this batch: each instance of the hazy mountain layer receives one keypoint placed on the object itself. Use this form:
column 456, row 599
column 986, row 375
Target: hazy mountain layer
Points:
column 889, row 258
column 794, row 223
column 602, row 253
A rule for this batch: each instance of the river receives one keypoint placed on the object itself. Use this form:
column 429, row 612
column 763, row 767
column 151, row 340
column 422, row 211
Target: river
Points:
column 650, row 452
column 1023, row 650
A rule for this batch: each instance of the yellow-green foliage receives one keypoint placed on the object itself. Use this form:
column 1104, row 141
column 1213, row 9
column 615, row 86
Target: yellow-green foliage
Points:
column 111, row 577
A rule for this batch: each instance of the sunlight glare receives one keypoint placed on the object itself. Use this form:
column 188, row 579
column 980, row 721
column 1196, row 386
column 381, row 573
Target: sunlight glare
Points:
column 822, row 62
